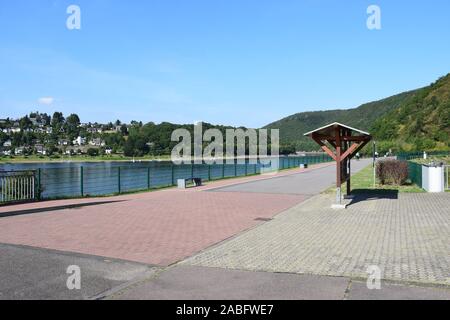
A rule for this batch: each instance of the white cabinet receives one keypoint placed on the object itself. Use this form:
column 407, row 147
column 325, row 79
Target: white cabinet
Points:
column 433, row 178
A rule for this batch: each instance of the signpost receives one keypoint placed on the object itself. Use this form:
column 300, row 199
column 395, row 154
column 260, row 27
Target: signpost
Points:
column 346, row 142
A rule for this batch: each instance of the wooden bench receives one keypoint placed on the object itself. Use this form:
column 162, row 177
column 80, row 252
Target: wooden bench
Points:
column 182, row 183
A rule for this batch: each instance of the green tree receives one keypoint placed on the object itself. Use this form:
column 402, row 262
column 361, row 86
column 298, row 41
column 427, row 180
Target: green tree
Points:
column 124, row 130
column 25, row 123
column 73, row 126
column 57, row 120
column 136, row 146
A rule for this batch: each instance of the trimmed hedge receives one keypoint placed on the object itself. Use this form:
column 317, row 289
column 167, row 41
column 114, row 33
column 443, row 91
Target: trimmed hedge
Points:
column 394, row 172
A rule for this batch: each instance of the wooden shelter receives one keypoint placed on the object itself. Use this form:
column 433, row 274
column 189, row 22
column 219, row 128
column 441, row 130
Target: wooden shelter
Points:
column 346, row 142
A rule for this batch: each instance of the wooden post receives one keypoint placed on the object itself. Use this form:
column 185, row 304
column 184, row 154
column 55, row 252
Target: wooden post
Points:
column 338, row 166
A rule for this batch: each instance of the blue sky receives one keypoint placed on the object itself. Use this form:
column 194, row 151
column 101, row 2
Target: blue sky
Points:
column 236, row 62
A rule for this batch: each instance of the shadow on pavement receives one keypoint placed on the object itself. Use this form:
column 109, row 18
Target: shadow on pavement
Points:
column 372, row 194
column 48, row 209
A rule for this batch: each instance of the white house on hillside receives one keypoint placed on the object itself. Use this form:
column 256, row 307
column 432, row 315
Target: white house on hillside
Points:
column 79, row 141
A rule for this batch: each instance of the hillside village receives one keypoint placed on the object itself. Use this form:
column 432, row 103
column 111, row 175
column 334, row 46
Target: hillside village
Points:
column 44, row 135
column 41, row 135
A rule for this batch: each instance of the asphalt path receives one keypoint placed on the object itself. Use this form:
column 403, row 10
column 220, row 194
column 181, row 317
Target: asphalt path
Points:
column 39, row 274
column 309, row 182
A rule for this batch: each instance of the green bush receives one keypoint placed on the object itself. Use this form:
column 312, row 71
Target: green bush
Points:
column 92, row 152
column 393, row 172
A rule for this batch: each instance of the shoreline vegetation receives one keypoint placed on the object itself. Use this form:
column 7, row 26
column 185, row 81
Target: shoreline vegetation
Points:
column 111, row 158
column 115, row 158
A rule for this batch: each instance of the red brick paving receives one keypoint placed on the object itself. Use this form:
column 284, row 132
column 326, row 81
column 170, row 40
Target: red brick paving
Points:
column 156, row 228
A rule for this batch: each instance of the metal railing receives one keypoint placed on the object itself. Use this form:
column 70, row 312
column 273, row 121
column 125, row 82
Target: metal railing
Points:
column 419, row 155
column 415, row 173
column 415, row 169
column 17, row 186
column 118, row 178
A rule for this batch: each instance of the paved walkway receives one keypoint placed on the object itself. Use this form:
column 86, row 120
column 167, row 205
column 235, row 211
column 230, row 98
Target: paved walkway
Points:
column 158, row 228
column 202, row 283
column 307, row 251
column 408, row 238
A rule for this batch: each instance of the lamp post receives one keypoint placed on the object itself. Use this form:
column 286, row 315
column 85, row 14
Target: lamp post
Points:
column 374, row 151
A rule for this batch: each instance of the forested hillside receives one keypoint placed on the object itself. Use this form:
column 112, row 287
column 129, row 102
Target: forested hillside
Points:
column 410, row 121
column 421, row 122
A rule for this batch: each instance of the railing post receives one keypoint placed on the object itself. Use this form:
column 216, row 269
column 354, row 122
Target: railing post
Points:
column 209, row 172
column 38, row 184
column 81, row 181
column 446, row 180
column 192, row 171
column 148, row 178
column 118, row 180
column 223, row 170
column 173, row 175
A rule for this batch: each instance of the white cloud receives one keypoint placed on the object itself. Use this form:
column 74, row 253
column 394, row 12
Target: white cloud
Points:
column 46, row 100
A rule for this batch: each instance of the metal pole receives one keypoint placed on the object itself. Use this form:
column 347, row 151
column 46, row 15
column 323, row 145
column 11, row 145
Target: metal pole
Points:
column 446, row 181
column 374, row 163
column 81, row 181
column 118, row 180
column 39, row 184
column 148, row 178
column 173, row 175
column 349, row 190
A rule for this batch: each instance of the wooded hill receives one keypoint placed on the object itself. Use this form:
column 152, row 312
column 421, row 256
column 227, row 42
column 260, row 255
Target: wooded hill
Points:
column 411, row 121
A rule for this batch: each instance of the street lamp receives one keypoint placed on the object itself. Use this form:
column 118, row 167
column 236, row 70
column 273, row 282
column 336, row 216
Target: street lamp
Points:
column 374, row 151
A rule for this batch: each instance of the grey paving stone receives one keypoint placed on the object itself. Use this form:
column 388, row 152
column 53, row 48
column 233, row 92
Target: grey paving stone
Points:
column 408, row 238
column 359, row 291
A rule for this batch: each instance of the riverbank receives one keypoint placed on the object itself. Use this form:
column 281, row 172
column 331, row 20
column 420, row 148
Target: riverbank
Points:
column 41, row 159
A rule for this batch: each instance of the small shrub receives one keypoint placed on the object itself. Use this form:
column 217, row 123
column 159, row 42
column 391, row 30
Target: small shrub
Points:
column 392, row 171
column 92, row 152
